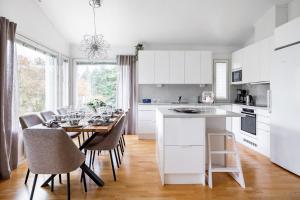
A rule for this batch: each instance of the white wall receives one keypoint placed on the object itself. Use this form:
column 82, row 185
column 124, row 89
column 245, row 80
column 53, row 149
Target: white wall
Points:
column 33, row 23
column 274, row 17
column 294, row 9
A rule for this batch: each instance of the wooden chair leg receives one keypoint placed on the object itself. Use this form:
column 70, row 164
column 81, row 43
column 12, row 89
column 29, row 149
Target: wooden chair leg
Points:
column 68, row 187
column 79, row 141
column 119, row 155
column 59, row 176
column 112, row 165
column 117, row 159
column 84, row 181
column 52, row 184
column 27, row 175
column 33, row 187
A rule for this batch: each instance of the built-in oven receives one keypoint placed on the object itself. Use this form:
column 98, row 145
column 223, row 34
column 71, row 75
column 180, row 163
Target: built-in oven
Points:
column 248, row 122
column 237, row 76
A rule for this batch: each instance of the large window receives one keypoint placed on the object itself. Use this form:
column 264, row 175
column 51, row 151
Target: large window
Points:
column 96, row 81
column 37, row 79
column 221, row 79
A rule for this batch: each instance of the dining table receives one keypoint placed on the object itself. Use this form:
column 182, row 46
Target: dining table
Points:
column 85, row 128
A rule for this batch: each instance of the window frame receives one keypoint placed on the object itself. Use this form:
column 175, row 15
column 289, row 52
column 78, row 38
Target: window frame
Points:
column 215, row 61
column 73, row 75
column 27, row 42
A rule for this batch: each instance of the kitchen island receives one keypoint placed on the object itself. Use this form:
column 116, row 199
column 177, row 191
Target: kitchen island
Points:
column 181, row 140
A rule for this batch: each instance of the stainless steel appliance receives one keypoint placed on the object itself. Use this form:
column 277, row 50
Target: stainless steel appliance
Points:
column 249, row 100
column 248, row 123
column 237, row 76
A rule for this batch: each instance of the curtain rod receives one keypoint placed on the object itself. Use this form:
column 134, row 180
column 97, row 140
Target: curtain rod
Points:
column 38, row 44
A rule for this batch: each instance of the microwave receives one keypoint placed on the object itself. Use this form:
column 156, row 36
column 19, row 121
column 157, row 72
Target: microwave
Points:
column 237, row 76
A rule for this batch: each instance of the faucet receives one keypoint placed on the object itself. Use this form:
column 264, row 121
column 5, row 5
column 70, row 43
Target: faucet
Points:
column 179, row 99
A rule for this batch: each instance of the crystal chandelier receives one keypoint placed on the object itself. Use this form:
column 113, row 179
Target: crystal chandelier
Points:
column 94, row 46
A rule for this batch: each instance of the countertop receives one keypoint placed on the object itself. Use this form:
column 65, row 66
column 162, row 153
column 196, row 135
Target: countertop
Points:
column 205, row 113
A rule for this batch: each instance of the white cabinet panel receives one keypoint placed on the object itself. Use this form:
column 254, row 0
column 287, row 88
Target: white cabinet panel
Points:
column 146, row 115
column 251, row 65
column 176, row 158
column 162, row 67
column 146, row 67
column 206, row 67
column 263, row 142
column 176, row 67
column 266, row 50
column 188, row 133
column 192, row 67
column 236, row 123
column 146, row 127
column 237, row 59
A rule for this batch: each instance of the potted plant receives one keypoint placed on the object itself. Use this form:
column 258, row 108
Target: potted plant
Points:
column 95, row 103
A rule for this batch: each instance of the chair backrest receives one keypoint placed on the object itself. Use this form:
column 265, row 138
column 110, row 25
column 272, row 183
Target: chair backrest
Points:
column 51, row 151
column 47, row 115
column 110, row 140
column 27, row 121
column 62, row 111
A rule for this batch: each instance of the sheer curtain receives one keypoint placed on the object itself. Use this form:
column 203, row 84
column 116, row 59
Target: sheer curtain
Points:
column 8, row 130
column 126, row 95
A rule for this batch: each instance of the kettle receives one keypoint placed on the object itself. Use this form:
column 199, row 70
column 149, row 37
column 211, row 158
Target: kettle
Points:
column 249, row 100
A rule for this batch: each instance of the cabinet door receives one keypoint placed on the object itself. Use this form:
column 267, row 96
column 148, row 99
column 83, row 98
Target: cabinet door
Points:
column 263, row 142
column 265, row 55
column 184, row 159
column 236, row 123
column 251, row 66
column 146, row 67
column 206, row 73
column 176, row 67
column 162, row 67
column 237, row 59
column 192, row 67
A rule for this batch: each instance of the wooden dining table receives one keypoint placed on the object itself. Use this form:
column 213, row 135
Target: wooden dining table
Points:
column 85, row 128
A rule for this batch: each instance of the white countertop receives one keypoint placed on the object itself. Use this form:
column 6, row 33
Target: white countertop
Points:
column 207, row 112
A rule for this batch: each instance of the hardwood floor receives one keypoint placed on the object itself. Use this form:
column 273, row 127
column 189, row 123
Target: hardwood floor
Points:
column 138, row 178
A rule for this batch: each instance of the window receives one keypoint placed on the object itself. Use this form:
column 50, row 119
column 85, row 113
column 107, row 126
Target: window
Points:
column 221, row 79
column 96, row 81
column 37, row 80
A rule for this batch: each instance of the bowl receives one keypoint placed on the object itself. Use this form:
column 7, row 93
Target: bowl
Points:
column 74, row 121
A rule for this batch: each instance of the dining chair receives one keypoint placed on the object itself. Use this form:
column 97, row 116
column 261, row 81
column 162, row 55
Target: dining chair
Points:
column 51, row 151
column 109, row 142
column 27, row 121
column 48, row 115
column 62, row 111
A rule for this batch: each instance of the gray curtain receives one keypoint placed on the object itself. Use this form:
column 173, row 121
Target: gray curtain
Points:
column 127, row 88
column 8, row 137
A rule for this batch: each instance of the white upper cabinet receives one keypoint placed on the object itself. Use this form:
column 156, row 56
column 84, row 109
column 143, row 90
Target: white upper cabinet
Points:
column 255, row 60
column 176, row 67
column 146, row 69
column 162, row 67
column 266, row 55
column 192, row 67
column 206, row 74
column 237, row 59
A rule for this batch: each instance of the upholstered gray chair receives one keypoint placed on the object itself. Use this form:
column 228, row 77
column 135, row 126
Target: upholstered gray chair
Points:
column 51, row 151
column 27, row 121
column 48, row 115
column 109, row 142
column 62, row 111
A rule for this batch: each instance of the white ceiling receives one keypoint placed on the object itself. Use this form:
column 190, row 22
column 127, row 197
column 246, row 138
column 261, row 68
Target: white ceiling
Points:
column 126, row 22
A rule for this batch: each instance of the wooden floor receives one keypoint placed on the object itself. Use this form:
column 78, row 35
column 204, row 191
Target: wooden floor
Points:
column 138, row 179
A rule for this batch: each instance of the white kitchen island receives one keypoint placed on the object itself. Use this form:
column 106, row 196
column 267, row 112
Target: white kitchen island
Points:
column 181, row 143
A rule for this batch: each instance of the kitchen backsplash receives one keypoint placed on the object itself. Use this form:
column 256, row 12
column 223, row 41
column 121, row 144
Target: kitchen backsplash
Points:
column 170, row 93
column 258, row 91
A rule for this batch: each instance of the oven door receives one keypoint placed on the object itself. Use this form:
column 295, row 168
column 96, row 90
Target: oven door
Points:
column 248, row 124
column 237, row 76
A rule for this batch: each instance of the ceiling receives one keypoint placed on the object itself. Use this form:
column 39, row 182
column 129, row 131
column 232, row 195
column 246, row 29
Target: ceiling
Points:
column 127, row 22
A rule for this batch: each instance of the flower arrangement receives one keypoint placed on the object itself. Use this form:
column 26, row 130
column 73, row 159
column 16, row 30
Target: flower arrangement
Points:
column 95, row 103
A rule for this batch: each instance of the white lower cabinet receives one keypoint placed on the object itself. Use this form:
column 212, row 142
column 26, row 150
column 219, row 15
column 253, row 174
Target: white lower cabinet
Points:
column 185, row 154
column 236, row 124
